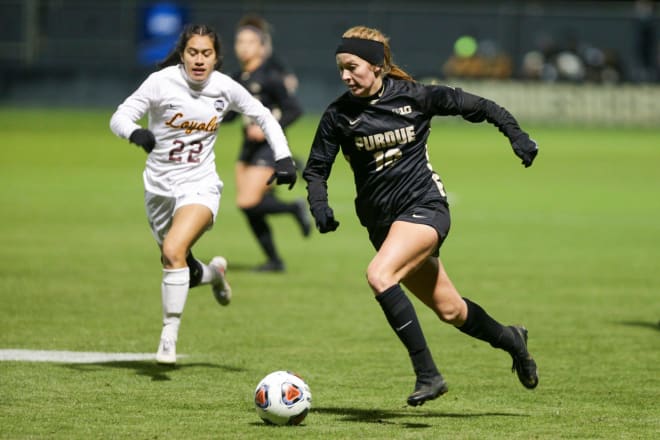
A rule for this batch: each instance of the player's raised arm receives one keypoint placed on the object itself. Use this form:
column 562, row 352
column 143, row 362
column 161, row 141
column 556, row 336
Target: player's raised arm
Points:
column 444, row 100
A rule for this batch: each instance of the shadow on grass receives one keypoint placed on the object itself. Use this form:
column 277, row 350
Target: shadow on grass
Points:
column 248, row 267
column 642, row 324
column 362, row 415
column 149, row 368
column 242, row 267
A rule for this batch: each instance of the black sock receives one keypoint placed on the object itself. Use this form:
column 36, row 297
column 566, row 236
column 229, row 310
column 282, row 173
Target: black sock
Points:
column 262, row 232
column 401, row 316
column 480, row 325
column 272, row 205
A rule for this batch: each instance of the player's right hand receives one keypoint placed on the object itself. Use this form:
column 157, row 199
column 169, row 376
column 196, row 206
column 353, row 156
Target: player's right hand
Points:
column 325, row 219
column 144, row 138
column 285, row 172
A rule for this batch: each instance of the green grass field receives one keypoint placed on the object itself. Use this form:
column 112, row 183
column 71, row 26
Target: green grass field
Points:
column 569, row 247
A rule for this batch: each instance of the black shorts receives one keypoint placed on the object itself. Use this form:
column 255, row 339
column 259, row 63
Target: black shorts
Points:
column 434, row 213
column 257, row 155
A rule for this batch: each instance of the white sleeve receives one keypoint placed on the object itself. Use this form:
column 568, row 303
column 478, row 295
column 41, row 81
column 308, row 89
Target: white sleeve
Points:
column 124, row 121
column 243, row 102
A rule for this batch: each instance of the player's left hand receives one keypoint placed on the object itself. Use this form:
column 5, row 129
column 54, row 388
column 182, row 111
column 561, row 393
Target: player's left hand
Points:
column 285, row 172
column 525, row 148
column 325, row 219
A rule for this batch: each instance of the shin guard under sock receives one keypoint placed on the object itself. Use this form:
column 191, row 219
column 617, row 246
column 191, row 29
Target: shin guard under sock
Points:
column 480, row 325
column 196, row 270
column 401, row 316
column 200, row 273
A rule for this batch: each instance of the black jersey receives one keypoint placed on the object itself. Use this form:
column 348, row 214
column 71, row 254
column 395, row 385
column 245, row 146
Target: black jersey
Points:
column 384, row 137
column 267, row 85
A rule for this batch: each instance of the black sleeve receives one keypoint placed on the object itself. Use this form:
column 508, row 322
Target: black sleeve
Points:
column 230, row 116
column 443, row 101
column 325, row 148
column 288, row 105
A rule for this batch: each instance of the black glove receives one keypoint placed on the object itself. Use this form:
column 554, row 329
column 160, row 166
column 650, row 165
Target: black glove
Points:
column 325, row 219
column 525, row 148
column 143, row 138
column 285, row 172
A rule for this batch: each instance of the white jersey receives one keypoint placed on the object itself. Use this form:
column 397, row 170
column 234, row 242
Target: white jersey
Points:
column 184, row 117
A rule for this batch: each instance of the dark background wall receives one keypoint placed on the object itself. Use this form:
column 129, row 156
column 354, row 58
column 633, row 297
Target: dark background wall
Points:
column 81, row 53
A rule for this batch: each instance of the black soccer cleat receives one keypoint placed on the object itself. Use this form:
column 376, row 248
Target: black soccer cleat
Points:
column 302, row 217
column 428, row 391
column 523, row 364
column 271, row 266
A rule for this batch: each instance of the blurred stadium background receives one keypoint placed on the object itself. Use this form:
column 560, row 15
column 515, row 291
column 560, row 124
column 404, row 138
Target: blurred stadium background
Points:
column 571, row 246
column 575, row 62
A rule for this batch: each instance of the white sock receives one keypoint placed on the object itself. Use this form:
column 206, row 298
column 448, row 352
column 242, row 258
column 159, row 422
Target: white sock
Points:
column 174, row 292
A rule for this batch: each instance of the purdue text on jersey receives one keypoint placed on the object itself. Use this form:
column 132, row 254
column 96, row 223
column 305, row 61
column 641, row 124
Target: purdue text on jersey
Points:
column 386, row 139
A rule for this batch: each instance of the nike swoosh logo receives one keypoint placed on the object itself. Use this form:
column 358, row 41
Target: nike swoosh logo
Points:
column 353, row 122
column 418, row 216
column 404, row 326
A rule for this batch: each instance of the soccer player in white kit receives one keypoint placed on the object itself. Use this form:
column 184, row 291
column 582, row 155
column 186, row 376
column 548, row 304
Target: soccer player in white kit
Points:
column 185, row 102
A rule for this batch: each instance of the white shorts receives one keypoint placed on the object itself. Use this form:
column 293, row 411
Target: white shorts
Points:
column 160, row 209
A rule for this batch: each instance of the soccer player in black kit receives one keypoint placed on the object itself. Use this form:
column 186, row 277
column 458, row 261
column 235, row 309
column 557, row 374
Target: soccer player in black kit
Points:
column 256, row 163
column 381, row 126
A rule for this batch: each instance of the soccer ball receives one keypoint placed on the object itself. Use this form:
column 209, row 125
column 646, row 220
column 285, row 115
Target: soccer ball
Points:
column 282, row 398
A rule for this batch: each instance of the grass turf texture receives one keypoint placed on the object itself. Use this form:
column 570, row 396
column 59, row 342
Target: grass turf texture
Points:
column 568, row 247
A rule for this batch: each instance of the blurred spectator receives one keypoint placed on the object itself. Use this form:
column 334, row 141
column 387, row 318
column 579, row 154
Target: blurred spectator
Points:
column 573, row 60
column 645, row 40
column 473, row 59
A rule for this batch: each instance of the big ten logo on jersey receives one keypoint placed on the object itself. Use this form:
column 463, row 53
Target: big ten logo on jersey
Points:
column 405, row 110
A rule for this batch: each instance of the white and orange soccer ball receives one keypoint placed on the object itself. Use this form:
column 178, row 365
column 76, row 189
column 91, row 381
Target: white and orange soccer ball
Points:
column 282, row 398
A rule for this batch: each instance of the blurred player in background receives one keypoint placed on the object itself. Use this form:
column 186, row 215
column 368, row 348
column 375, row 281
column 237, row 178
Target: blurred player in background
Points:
column 272, row 62
column 263, row 77
column 185, row 102
column 381, row 126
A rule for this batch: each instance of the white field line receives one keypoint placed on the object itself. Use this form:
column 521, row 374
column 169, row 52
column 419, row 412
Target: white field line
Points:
column 71, row 357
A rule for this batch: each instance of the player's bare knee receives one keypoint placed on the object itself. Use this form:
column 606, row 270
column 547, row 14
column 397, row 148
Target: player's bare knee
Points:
column 173, row 257
column 247, row 199
column 379, row 280
column 245, row 203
